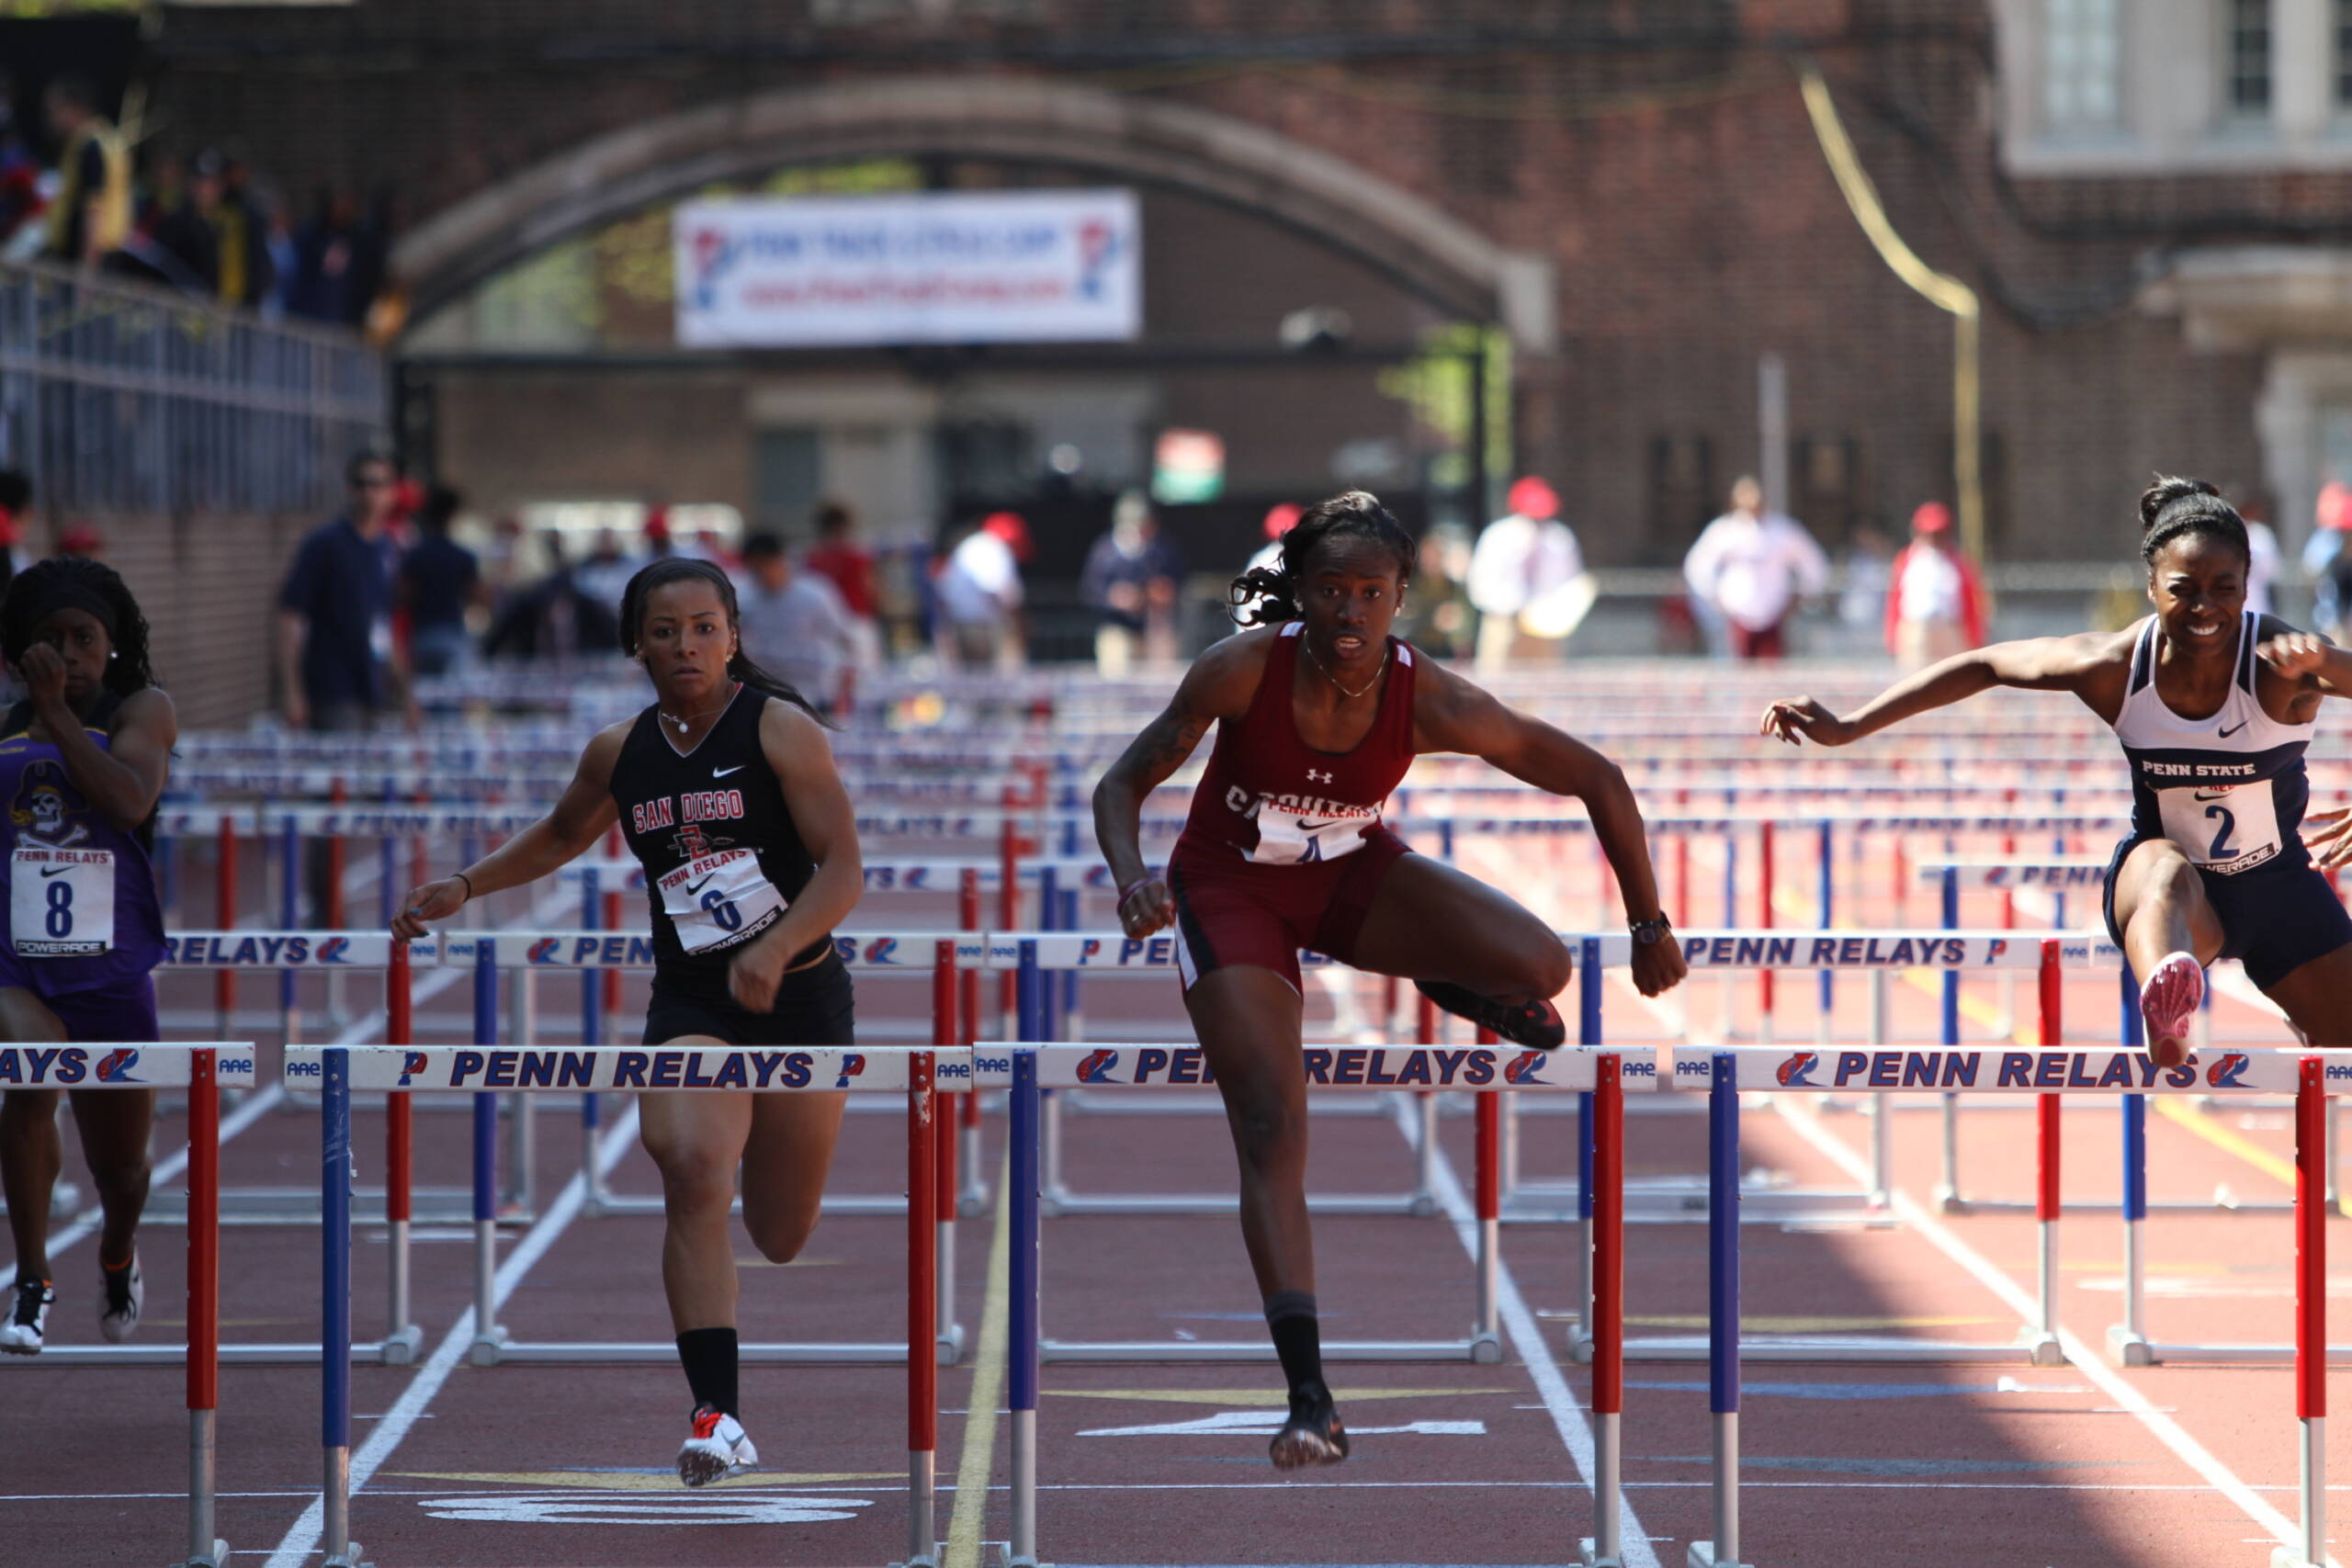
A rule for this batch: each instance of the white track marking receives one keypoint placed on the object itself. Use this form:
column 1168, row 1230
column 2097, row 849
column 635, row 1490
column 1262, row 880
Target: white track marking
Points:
column 1527, row 1338
column 2168, row 1431
column 295, row 1549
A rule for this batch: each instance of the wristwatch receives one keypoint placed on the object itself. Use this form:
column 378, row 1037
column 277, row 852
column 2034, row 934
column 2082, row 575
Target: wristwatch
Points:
column 1650, row 931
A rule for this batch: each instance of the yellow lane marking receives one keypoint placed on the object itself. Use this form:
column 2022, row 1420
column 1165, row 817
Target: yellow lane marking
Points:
column 977, row 1461
column 2227, row 1140
column 633, row 1481
column 1255, row 1398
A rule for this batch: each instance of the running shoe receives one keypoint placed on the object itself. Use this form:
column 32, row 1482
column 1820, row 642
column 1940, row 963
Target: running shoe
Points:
column 1313, row 1435
column 719, row 1448
column 2168, row 1000
column 1536, row 1025
column 28, row 1323
column 125, row 1296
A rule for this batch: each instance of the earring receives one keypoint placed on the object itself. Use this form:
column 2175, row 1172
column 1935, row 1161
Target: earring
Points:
column 111, row 653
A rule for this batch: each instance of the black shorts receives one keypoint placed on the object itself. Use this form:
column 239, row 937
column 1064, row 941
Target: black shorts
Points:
column 813, row 1007
column 2273, row 921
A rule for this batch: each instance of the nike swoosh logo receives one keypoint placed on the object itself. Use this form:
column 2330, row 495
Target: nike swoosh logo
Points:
column 1319, row 827
column 722, row 772
column 2212, row 794
column 695, row 887
column 2241, row 725
column 55, row 869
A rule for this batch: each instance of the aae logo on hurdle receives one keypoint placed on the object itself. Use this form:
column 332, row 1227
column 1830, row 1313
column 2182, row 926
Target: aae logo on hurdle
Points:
column 117, row 1066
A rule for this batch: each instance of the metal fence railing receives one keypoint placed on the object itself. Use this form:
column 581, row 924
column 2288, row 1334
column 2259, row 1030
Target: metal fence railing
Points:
column 118, row 397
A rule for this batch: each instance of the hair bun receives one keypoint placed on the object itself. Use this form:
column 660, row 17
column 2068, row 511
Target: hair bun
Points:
column 2169, row 489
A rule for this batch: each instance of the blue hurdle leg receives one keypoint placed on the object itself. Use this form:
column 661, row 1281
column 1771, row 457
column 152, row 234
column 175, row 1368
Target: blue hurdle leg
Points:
column 1721, row 1550
column 334, row 1307
column 2128, row 1341
column 1022, row 1353
column 489, row 1337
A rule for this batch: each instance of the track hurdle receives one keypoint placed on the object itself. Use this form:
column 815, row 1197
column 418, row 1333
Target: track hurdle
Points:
column 489, row 953
column 1726, row 1075
column 1035, row 1067
column 200, row 1069
column 337, row 1070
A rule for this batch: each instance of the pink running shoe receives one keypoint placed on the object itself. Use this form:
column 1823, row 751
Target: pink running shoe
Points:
column 2168, row 999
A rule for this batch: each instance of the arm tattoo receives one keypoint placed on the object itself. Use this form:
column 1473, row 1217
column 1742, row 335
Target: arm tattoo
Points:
column 1164, row 744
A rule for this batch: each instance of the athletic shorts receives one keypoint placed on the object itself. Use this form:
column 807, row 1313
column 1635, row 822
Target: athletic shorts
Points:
column 2274, row 922
column 1231, row 911
column 813, row 1007
column 118, row 1012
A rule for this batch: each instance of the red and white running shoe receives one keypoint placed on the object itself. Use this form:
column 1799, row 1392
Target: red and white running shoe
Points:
column 719, row 1448
column 2168, row 1000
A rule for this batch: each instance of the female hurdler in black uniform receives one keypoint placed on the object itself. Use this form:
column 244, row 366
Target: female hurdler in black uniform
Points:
column 726, row 791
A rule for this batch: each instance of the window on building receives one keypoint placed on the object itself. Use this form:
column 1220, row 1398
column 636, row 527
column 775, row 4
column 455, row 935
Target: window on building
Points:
column 2082, row 64
column 2341, row 28
column 2246, row 57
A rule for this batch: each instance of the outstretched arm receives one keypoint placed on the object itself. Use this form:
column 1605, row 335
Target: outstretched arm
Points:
column 569, row 829
column 1218, row 685
column 2073, row 664
column 1451, row 715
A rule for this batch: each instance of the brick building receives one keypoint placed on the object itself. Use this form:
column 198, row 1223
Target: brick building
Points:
column 2152, row 196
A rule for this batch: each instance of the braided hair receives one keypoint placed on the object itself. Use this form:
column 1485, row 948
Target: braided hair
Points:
column 77, row 582
column 1269, row 596
column 2175, row 508
column 741, row 667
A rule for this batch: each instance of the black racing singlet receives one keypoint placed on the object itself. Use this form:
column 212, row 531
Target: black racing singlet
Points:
column 722, row 858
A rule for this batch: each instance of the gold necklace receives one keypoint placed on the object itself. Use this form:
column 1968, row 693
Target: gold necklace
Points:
column 682, row 723
column 1360, row 691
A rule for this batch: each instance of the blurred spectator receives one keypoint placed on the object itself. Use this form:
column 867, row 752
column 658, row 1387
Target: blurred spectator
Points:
column 20, row 171
column 795, row 624
column 440, row 580
column 15, row 512
column 285, row 262
column 552, row 618
column 324, row 254
column 83, row 541
column 89, row 218
column 605, row 575
column 1438, row 615
column 658, row 542
column 2327, row 558
column 1527, row 581
column 980, row 598
column 336, row 654
column 1129, row 581
column 2262, row 557
column 243, row 266
column 176, row 239
column 1935, row 601
column 1750, row 568
column 850, row 569
column 1862, row 604
column 1281, row 518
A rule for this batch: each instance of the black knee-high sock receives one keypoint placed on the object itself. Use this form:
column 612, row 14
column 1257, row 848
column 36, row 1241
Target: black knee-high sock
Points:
column 1299, row 1337
column 709, row 1355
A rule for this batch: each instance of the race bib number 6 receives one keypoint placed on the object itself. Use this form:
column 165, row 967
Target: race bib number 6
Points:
column 61, row 902
column 715, row 901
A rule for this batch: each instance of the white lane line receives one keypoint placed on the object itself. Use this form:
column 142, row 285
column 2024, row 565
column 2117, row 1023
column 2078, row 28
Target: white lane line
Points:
column 2217, row 1475
column 1527, row 1338
column 294, row 1549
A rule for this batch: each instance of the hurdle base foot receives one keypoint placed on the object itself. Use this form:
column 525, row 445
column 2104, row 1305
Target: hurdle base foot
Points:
column 1948, row 1200
column 400, row 1348
column 951, row 1345
column 353, row 1555
column 1421, row 1205
column 218, row 1558
column 489, row 1350
column 2291, row 1557
column 2128, row 1348
column 1589, row 1556
column 1000, row 1556
column 2041, row 1348
column 1580, row 1347
column 1486, row 1348
column 971, row 1205
column 1703, row 1555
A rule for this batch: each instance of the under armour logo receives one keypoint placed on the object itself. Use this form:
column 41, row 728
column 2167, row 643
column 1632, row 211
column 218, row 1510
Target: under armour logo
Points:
column 1313, row 777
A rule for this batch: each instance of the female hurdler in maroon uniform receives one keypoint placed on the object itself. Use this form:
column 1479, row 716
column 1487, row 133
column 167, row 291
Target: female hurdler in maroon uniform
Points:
column 1319, row 712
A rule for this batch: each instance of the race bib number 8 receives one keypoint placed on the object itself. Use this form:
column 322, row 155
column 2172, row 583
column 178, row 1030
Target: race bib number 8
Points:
column 2221, row 827
column 719, row 899
column 61, row 903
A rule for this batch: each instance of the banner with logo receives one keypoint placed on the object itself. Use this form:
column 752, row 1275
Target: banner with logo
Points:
column 981, row 266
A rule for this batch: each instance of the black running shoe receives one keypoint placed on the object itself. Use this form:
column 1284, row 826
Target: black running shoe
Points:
column 1313, row 1435
column 1536, row 1025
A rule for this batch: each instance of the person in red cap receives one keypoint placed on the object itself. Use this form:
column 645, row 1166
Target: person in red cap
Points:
column 980, row 595
column 1935, row 601
column 1527, row 581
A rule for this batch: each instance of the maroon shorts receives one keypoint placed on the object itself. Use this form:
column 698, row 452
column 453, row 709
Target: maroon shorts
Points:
column 1232, row 911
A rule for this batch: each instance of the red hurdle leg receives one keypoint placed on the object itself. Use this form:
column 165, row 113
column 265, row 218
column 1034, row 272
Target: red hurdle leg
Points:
column 1604, row 1550
column 922, row 1360
column 204, row 1548
column 2311, row 1302
column 942, row 1127
column 1485, row 1342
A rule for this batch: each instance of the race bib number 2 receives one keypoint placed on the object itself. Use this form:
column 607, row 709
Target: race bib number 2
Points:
column 717, row 899
column 61, row 902
column 2220, row 828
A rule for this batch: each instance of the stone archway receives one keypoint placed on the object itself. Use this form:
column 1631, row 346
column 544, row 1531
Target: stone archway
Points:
column 1426, row 251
